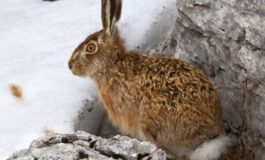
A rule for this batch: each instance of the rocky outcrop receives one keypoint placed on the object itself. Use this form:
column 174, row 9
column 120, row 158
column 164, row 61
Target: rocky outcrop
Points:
column 81, row 145
column 226, row 39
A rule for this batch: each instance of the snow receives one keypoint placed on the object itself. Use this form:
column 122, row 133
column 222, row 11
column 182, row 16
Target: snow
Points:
column 37, row 39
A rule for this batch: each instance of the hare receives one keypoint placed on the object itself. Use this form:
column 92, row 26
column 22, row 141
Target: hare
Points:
column 163, row 100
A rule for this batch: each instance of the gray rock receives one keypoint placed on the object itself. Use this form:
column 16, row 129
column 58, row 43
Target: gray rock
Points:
column 226, row 39
column 81, row 145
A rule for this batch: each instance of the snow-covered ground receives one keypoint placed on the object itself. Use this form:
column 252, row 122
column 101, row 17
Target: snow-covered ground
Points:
column 36, row 41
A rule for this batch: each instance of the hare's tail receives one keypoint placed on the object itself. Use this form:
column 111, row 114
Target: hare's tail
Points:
column 212, row 149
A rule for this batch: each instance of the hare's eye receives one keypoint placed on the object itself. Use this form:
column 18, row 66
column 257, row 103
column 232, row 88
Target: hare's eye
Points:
column 91, row 48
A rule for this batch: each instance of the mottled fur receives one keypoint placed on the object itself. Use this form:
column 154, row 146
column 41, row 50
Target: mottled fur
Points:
column 164, row 100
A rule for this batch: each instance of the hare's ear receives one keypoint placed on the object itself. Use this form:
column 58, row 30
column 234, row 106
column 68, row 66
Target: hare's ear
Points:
column 110, row 15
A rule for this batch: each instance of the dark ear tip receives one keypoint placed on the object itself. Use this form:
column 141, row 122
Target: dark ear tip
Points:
column 110, row 14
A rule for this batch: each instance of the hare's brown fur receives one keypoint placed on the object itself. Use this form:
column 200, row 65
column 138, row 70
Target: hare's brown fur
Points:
column 164, row 100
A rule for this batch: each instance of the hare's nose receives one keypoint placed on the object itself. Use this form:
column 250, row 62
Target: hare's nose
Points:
column 70, row 64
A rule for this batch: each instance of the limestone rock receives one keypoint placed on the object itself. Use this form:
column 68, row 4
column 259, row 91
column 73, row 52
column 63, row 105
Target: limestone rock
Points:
column 81, row 145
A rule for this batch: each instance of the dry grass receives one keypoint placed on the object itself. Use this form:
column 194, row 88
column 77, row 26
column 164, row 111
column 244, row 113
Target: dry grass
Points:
column 48, row 131
column 16, row 91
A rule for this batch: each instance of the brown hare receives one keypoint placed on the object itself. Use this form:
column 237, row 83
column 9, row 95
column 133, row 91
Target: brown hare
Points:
column 163, row 100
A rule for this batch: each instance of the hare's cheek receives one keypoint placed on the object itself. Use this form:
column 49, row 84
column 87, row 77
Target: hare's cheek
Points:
column 89, row 61
column 85, row 59
column 88, row 57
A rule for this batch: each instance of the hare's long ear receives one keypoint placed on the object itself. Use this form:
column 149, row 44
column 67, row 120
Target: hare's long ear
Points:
column 110, row 15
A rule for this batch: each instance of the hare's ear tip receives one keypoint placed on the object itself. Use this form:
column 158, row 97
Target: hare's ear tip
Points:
column 110, row 13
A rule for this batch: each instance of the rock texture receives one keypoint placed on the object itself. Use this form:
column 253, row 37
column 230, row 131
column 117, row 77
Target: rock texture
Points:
column 226, row 39
column 81, row 145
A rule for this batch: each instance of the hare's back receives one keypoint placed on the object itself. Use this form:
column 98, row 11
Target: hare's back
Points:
column 177, row 79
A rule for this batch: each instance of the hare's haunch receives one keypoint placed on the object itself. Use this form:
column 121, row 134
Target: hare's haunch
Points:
column 163, row 100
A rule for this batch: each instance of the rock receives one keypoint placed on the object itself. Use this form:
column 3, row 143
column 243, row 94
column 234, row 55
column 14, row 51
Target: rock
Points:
column 226, row 39
column 81, row 145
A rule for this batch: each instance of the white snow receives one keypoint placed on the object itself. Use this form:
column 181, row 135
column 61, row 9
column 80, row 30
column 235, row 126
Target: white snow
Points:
column 36, row 41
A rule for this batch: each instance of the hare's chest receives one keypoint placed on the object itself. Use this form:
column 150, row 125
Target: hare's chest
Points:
column 110, row 104
column 119, row 113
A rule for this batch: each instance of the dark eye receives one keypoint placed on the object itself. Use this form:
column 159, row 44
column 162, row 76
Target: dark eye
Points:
column 91, row 47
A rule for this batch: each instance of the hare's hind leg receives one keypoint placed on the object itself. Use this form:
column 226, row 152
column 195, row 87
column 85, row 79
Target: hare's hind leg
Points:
column 156, row 127
column 179, row 128
column 164, row 139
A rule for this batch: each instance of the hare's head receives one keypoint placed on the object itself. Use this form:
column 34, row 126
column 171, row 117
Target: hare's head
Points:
column 93, row 54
